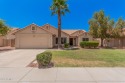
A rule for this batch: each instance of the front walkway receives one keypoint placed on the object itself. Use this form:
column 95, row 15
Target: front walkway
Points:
column 62, row 75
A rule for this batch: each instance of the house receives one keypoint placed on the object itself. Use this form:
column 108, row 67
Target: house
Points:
column 1, row 41
column 46, row 36
column 9, row 39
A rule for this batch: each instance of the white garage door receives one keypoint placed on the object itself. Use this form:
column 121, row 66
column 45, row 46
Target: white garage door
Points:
column 34, row 41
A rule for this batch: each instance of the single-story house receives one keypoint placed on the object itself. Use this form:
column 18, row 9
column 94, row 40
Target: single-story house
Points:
column 9, row 39
column 46, row 36
column 36, row 37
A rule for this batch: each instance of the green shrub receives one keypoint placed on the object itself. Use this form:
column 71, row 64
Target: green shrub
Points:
column 66, row 45
column 89, row 44
column 44, row 59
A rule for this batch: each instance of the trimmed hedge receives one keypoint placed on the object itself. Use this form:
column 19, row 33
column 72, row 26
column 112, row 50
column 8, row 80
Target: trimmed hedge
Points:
column 44, row 59
column 66, row 45
column 89, row 44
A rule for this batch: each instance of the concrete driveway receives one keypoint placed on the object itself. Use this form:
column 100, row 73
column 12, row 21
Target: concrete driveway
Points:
column 18, row 58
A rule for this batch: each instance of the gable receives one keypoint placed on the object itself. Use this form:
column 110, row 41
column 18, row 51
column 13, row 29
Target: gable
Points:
column 28, row 30
column 53, row 30
column 69, row 31
column 77, row 33
column 85, row 35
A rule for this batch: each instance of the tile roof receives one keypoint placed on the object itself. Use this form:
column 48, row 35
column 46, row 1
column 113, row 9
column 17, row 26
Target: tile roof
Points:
column 54, row 28
column 13, row 30
column 69, row 31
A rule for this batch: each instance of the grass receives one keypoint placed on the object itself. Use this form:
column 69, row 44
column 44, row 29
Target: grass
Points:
column 89, row 58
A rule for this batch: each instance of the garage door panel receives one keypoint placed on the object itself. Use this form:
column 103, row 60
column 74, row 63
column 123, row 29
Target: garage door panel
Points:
column 35, row 41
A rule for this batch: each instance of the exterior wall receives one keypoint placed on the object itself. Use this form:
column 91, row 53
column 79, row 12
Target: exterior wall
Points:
column 9, row 39
column 39, row 38
column 55, row 31
column 1, row 41
column 50, row 29
column 63, row 35
column 84, row 36
column 10, row 35
column 75, row 41
column 116, row 43
column 112, row 42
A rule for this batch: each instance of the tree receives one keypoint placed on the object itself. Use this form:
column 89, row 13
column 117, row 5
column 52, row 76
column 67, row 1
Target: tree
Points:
column 100, row 26
column 59, row 7
column 3, row 28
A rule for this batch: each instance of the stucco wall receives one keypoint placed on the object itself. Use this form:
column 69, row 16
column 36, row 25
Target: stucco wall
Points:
column 55, row 31
column 1, row 41
column 84, row 36
column 41, row 37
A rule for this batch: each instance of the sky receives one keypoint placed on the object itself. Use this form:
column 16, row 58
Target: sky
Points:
column 21, row 13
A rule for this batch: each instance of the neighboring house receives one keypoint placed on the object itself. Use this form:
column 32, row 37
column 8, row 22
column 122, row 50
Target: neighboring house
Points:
column 1, row 41
column 46, row 36
column 9, row 39
column 113, row 42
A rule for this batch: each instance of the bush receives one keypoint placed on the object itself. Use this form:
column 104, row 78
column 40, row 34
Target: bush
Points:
column 66, row 45
column 89, row 44
column 44, row 59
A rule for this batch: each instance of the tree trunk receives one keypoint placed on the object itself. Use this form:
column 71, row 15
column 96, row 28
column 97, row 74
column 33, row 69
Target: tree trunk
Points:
column 59, row 29
column 102, row 42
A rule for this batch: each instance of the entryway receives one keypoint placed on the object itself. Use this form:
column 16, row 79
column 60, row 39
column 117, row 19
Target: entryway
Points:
column 72, row 41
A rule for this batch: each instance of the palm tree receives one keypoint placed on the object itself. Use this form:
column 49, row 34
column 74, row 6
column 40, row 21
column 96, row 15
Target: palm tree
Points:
column 59, row 7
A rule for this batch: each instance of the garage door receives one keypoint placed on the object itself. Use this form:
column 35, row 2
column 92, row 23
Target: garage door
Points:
column 35, row 41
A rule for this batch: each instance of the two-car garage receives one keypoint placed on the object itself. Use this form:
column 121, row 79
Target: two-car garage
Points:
column 34, row 41
column 26, row 39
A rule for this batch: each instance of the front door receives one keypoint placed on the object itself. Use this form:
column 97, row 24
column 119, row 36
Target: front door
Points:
column 71, row 41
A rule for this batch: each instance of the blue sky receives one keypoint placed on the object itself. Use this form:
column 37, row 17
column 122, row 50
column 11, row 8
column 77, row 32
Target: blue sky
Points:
column 20, row 13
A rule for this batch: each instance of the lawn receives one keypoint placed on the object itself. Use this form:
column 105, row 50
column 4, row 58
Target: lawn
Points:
column 89, row 58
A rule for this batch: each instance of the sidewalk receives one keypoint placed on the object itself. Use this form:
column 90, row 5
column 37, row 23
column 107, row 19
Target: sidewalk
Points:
column 62, row 75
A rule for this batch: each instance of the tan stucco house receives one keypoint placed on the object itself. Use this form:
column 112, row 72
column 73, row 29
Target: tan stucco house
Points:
column 46, row 36
column 36, row 37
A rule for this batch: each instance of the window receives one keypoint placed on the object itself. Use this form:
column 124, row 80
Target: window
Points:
column 85, row 39
column 56, row 40
column 33, row 28
column 63, row 40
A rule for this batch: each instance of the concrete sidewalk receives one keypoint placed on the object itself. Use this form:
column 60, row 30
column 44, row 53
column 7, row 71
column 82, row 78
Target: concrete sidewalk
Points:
column 62, row 75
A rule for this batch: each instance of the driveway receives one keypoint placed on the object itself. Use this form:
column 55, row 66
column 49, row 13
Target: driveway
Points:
column 6, row 48
column 18, row 58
